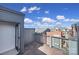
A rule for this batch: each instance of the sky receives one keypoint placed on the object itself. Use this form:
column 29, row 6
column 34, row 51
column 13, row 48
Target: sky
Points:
column 47, row 15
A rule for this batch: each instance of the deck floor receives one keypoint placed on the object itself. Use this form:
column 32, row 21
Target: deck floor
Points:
column 41, row 49
column 10, row 52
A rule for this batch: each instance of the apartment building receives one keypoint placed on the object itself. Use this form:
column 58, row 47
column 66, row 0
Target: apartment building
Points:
column 74, row 40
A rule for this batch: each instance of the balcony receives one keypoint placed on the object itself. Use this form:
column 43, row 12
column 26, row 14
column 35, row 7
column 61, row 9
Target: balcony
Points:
column 40, row 44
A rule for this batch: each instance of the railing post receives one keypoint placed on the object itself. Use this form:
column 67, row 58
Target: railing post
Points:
column 50, row 45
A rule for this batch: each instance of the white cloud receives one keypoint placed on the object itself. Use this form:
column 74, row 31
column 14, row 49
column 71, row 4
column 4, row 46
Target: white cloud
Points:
column 58, row 23
column 27, row 21
column 74, row 20
column 34, row 8
column 23, row 9
column 37, row 23
column 47, row 20
column 60, row 17
column 71, row 20
column 31, row 9
column 46, row 12
column 66, row 20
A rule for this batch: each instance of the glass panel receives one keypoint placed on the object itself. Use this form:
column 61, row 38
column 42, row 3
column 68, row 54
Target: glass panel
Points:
column 56, row 42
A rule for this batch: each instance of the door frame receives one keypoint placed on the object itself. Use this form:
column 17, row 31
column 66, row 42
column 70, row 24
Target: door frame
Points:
column 17, row 27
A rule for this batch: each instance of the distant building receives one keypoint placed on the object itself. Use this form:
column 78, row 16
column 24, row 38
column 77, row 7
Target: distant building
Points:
column 67, row 33
column 56, row 33
column 75, row 29
column 74, row 32
column 52, row 41
column 74, row 40
column 40, row 35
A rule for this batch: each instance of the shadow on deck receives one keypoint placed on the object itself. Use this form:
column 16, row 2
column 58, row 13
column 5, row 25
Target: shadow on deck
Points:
column 35, row 48
column 32, row 49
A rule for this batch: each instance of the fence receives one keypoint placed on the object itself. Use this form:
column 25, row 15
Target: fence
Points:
column 40, row 38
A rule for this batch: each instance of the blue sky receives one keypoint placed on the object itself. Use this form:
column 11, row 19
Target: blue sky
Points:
column 42, row 15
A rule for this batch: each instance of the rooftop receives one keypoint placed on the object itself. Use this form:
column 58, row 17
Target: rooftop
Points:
column 10, row 10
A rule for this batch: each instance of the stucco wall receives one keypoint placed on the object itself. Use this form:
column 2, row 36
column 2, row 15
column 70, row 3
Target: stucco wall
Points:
column 55, row 33
column 28, row 35
column 8, row 15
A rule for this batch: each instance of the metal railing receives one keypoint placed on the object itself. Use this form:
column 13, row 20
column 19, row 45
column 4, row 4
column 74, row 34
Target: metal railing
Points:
column 69, row 46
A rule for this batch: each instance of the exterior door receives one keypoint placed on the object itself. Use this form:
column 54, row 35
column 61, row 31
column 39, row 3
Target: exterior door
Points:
column 7, row 36
column 17, row 41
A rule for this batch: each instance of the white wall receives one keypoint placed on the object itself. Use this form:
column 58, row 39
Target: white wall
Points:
column 7, row 36
column 28, row 35
column 49, row 42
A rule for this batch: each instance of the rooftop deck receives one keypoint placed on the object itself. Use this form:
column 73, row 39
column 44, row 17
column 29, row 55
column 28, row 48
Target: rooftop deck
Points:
column 36, row 48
